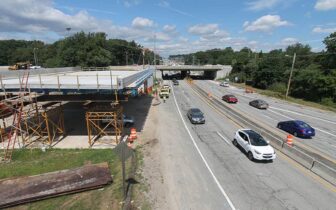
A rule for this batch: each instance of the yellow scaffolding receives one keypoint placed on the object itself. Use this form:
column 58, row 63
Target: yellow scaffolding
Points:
column 104, row 121
column 43, row 123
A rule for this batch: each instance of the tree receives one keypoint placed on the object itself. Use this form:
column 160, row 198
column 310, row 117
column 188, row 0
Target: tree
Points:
column 330, row 58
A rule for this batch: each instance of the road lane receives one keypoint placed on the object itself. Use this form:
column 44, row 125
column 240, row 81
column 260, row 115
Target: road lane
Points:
column 187, row 183
column 250, row 185
column 325, row 139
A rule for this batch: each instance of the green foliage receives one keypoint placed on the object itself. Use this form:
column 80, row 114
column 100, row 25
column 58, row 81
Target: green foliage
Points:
column 278, row 87
column 80, row 49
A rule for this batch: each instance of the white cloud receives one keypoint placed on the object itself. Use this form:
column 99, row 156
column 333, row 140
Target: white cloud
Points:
column 140, row 22
column 169, row 28
column 129, row 3
column 39, row 19
column 325, row 4
column 166, row 4
column 203, row 29
column 288, row 41
column 265, row 23
column 262, row 4
column 321, row 30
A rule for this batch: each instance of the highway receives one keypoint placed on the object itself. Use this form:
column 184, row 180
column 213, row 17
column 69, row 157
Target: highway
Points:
column 324, row 122
column 203, row 170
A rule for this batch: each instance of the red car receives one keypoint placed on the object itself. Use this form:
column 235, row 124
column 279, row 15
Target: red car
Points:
column 230, row 98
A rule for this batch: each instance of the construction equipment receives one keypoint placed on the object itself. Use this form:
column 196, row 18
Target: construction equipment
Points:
column 19, row 66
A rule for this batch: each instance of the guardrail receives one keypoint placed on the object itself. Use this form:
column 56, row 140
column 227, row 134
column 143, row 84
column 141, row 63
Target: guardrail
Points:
column 318, row 164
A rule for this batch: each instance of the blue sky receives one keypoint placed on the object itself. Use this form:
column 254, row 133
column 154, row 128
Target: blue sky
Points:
column 179, row 26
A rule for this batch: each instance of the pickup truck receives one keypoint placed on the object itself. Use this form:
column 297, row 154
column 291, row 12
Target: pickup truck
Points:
column 164, row 93
column 166, row 87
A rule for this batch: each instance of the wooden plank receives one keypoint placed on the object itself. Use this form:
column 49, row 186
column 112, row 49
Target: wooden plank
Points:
column 21, row 190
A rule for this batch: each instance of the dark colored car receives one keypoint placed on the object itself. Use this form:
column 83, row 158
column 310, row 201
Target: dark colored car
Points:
column 230, row 98
column 260, row 104
column 196, row 116
column 297, row 128
column 175, row 82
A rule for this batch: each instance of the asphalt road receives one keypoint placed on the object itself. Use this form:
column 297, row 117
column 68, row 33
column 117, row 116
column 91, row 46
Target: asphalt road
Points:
column 203, row 170
column 324, row 122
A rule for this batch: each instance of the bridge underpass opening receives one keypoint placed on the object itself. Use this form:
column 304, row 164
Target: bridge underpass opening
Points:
column 208, row 75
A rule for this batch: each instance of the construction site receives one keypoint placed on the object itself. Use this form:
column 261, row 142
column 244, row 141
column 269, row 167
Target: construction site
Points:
column 69, row 108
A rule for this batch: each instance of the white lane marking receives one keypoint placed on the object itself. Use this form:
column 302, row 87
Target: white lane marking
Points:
column 319, row 129
column 269, row 117
column 220, row 135
column 285, row 116
column 200, row 153
column 304, row 115
column 272, row 107
column 325, row 132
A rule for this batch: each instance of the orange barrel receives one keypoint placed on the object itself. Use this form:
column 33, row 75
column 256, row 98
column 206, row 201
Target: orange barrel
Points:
column 289, row 140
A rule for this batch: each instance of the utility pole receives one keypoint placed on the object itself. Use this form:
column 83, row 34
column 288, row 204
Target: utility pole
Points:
column 143, row 58
column 290, row 75
column 35, row 57
column 68, row 29
column 126, row 58
column 154, row 57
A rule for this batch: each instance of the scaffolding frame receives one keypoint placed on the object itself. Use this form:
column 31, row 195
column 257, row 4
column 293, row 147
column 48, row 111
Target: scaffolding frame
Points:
column 104, row 121
column 39, row 122
column 43, row 123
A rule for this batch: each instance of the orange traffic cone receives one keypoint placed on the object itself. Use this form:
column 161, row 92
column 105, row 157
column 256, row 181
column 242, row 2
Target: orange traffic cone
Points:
column 133, row 134
column 289, row 140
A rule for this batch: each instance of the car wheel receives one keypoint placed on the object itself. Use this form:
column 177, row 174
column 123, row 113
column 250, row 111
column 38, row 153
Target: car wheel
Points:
column 295, row 134
column 250, row 156
column 235, row 142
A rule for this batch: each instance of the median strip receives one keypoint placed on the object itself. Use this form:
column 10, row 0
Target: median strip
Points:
column 319, row 164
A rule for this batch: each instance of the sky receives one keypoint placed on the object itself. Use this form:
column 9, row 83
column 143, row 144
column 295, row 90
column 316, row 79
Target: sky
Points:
column 175, row 26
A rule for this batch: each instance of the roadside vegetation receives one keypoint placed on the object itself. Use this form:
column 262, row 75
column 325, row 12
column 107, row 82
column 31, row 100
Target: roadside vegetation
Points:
column 32, row 162
column 282, row 96
column 80, row 49
column 314, row 73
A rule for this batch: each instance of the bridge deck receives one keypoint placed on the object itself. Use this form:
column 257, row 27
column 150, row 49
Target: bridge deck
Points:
column 80, row 81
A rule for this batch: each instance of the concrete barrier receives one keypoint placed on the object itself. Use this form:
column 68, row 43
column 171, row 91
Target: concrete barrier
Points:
column 324, row 171
column 318, row 164
column 299, row 156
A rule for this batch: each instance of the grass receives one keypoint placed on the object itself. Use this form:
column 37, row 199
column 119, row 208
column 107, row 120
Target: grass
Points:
column 32, row 162
column 141, row 188
column 290, row 99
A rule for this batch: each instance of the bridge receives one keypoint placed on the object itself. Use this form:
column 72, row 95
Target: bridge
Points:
column 70, row 80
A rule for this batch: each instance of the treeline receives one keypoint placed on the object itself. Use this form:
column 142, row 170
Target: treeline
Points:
column 80, row 49
column 314, row 74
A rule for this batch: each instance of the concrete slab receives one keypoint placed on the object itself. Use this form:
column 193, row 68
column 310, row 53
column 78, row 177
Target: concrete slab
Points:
column 80, row 80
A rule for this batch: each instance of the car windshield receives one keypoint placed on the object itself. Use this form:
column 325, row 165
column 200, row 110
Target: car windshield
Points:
column 197, row 114
column 256, row 139
column 303, row 125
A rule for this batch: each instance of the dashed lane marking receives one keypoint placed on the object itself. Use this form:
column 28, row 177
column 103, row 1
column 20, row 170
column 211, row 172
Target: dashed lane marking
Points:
column 202, row 157
column 220, row 135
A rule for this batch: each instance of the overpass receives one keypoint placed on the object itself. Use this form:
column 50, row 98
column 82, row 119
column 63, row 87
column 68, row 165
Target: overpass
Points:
column 69, row 80
column 209, row 71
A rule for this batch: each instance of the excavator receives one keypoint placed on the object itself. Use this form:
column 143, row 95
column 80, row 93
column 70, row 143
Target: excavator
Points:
column 20, row 65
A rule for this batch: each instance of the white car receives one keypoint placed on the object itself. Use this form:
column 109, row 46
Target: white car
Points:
column 254, row 144
column 224, row 84
column 35, row 67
